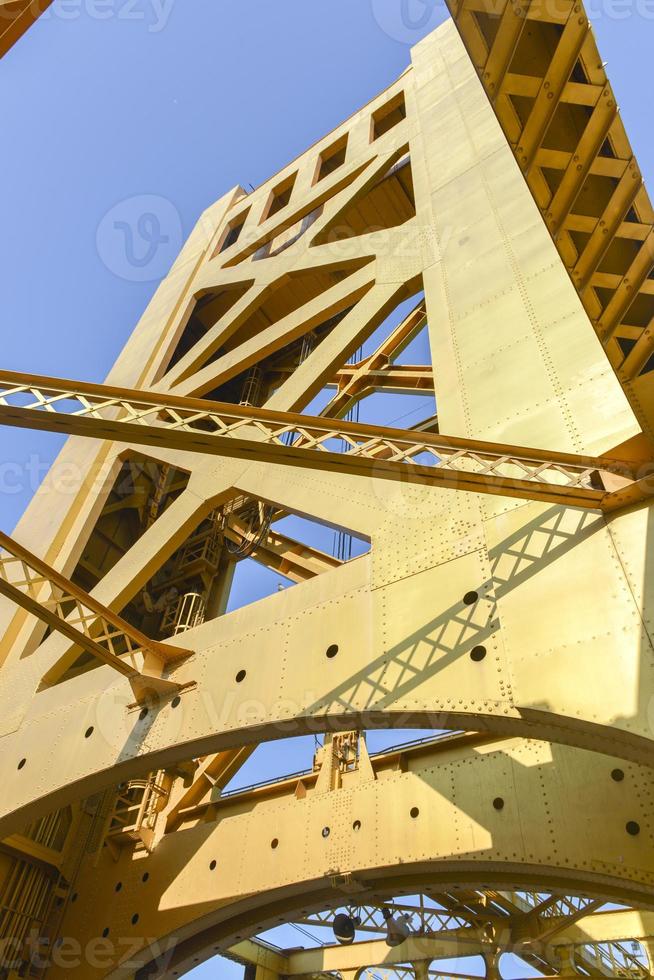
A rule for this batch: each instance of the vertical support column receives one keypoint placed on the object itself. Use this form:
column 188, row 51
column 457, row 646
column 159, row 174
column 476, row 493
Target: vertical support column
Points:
column 254, row 972
column 566, row 959
column 492, row 961
column 421, row 970
column 222, row 584
column 519, row 283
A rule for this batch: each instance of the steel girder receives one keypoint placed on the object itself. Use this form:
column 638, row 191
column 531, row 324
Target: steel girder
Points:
column 287, row 855
column 442, row 647
column 103, row 412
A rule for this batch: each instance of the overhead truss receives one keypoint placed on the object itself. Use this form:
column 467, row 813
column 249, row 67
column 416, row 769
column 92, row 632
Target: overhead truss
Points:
column 194, row 425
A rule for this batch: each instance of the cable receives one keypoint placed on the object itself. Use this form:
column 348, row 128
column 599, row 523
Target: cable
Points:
column 305, row 932
column 255, row 514
column 419, row 408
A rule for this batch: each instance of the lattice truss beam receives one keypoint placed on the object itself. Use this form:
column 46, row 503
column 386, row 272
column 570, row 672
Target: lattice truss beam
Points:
column 542, row 929
column 192, row 425
column 264, row 310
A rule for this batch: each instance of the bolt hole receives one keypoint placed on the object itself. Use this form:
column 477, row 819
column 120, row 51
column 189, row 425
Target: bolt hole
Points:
column 632, row 828
column 326, row 831
column 21, row 763
column 356, row 826
column 470, row 598
column 414, row 811
column 498, row 803
column 105, row 932
column 477, row 654
column 240, row 676
column 617, row 775
column 212, row 865
column 274, row 843
column 88, row 732
column 119, row 885
column 331, row 651
column 73, row 897
column 175, row 702
column 145, row 877
column 143, row 713
column 135, row 918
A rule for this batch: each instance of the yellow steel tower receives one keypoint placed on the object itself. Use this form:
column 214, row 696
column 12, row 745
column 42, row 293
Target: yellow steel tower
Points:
column 507, row 596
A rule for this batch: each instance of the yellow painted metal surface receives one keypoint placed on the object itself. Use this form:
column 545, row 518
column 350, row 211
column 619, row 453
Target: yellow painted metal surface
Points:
column 521, row 618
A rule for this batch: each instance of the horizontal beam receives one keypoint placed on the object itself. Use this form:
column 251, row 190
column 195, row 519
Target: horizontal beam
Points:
column 416, row 949
column 252, row 951
column 391, row 377
column 262, row 435
column 473, row 939
column 608, row 927
column 395, row 759
column 27, row 849
column 293, row 559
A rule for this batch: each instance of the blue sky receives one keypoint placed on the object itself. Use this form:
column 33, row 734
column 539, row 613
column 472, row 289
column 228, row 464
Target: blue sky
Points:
column 104, row 101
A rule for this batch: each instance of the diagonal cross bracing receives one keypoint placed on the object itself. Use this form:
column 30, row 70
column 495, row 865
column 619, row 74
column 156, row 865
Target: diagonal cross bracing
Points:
column 41, row 590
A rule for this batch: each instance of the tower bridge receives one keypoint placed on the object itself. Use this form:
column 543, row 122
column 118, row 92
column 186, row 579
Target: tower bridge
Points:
column 501, row 596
